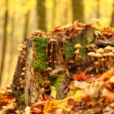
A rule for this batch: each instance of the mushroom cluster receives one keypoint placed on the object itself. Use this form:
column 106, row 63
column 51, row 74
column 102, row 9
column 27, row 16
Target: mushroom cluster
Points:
column 103, row 58
column 23, row 53
column 77, row 52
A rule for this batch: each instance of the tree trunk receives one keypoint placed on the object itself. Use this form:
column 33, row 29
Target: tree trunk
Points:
column 112, row 19
column 41, row 15
column 78, row 10
column 26, row 24
column 54, row 14
column 4, row 40
column 98, row 11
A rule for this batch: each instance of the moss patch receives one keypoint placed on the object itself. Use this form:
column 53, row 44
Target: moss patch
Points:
column 22, row 97
column 40, row 62
column 55, row 82
column 68, row 50
column 83, row 41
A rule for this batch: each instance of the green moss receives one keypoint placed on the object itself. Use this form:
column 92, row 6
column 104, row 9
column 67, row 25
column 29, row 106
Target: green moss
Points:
column 40, row 62
column 22, row 97
column 55, row 82
column 68, row 50
column 17, row 93
column 83, row 41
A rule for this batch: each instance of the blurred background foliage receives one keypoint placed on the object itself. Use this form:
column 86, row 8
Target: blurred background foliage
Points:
column 19, row 18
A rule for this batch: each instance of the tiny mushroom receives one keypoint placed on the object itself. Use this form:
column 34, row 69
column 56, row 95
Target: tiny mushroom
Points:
column 23, row 74
column 77, row 53
column 78, row 46
column 100, row 50
column 34, row 54
column 24, row 46
column 108, row 48
column 20, row 49
column 97, row 66
column 9, row 92
column 20, row 79
column 24, row 69
column 63, row 41
column 24, row 53
column 22, row 61
column 21, row 45
column 111, row 55
column 42, row 91
column 3, row 93
column 22, row 86
column 55, row 62
column 71, row 62
column 92, row 54
column 49, row 69
column 52, row 41
column 102, row 60
column 98, row 55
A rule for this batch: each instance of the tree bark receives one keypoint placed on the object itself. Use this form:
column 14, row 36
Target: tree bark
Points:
column 98, row 11
column 41, row 15
column 4, row 40
column 78, row 10
column 112, row 19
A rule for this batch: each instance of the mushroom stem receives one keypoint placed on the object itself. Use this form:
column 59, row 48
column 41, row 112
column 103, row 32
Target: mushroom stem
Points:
column 99, row 61
column 51, row 46
column 92, row 57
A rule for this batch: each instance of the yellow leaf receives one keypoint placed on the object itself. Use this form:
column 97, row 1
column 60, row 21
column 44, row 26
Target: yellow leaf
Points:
column 112, row 79
column 78, row 95
column 53, row 92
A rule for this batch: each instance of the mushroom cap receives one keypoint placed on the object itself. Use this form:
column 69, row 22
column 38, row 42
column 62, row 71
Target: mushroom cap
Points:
column 52, row 41
column 11, row 107
column 110, row 54
column 49, row 68
column 9, row 91
column 102, row 59
column 108, row 48
column 105, row 54
column 78, row 46
column 20, row 79
column 23, row 74
column 20, row 45
column 96, row 63
column 100, row 50
column 77, row 52
column 20, row 49
column 24, row 46
column 5, row 108
column 18, row 88
column 98, row 55
column 42, row 90
column 3, row 92
column 71, row 62
column 91, row 54
column 79, row 56
column 63, row 40
column 24, row 68
column 22, row 86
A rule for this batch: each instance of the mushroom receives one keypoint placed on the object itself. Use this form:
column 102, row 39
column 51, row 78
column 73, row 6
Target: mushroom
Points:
column 108, row 48
column 24, row 53
column 24, row 69
column 97, row 66
column 11, row 106
column 77, row 53
column 22, row 86
column 18, row 88
column 3, row 93
column 24, row 46
column 23, row 57
column 71, row 62
column 52, row 41
column 98, row 55
column 55, row 62
column 48, row 69
column 5, row 108
column 21, row 45
column 102, row 62
column 22, row 61
column 34, row 54
column 20, row 79
column 23, row 74
column 111, row 55
column 9, row 92
column 92, row 54
column 20, row 49
column 63, row 41
column 25, row 42
column 100, row 50
column 22, row 82
column 78, row 46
